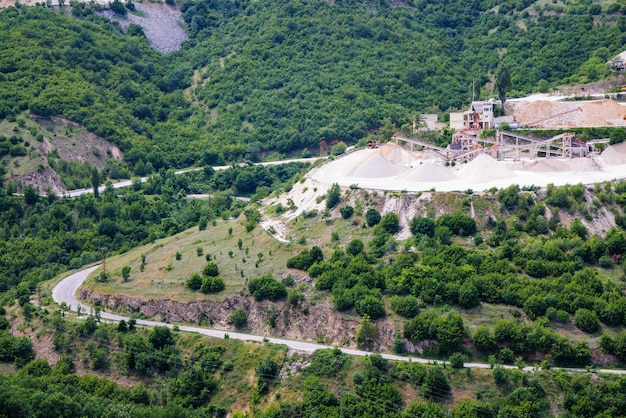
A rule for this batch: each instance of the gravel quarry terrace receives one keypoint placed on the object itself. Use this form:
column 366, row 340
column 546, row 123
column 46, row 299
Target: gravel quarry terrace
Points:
column 392, row 167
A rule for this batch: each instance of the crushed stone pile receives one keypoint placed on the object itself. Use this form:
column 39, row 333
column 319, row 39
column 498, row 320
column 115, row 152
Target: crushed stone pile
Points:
column 396, row 154
column 376, row 166
column 582, row 164
column 561, row 165
column 614, row 154
column 549, row 114
column 429, row 172
column 484, row 169
column 546, row 165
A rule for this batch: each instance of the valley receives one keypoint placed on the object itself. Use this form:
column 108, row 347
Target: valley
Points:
column 312, row 209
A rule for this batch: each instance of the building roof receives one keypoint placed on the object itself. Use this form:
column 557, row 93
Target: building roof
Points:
column 477, row 106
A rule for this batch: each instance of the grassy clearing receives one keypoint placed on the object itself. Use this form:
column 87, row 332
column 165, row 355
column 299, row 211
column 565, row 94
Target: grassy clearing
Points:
column 486, row 314
column 164, row 276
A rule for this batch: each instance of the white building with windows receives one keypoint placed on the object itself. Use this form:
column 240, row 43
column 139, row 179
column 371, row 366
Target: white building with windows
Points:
column 479, row 116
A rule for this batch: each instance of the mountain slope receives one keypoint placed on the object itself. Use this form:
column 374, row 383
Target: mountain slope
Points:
column 281, row 76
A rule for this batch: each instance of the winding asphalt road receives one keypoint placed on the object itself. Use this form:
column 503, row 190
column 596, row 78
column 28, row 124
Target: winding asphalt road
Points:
column 65, row 291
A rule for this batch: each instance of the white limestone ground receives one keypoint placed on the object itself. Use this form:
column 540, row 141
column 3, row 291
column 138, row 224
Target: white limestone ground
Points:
column 394, row 168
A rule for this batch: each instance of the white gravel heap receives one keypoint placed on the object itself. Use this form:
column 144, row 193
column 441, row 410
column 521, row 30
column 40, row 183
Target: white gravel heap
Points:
column 483, row 169
column 429, row 171
column 370, row 170
column 396, row 154
column 377, row 166
column 614, row 154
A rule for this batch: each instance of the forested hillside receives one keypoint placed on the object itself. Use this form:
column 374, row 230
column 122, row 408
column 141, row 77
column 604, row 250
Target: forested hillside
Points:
column 284, row 75
column 523, row 288
column 508, row 277
column 291, row 73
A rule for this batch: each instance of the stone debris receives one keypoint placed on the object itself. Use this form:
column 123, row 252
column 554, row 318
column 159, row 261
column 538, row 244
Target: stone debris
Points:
column 571, row 114
column 162, row 24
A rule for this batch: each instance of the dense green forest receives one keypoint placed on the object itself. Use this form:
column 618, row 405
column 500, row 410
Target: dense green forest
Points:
column 281, row 76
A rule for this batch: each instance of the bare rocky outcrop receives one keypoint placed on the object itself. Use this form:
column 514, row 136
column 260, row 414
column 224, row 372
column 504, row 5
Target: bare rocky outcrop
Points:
column 321, row 323
column 162, row 24
column 43, row 180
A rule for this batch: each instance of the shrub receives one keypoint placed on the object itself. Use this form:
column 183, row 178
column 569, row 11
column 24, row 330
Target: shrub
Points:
column 370, row 306
column 457, row 360
column 23, row 351
column 458, row 223
column 295, row 297
column 372, row 217
column 38, row 368
column 212, row 285
column 266, row 287
column 343, row 299
column 586, row 320
column 339, row 148
column 617, row 136
column 315, row 270
column 301, row 261
column 316, row 254
column 448, row 329
column 194, row 282
column 346, row 212
column 390, row 223
column 355, row 247
column 161, row 337
column 327, row 362
column 422, row 226
column 406, row 306
column 288, row 281
column 118, row 7
column 506, row 355
column 211, row 270
column 500, row 376
column 333, row 197
column 605, row 262
column 4, row 323
column 398, row 344
column 239, row 318
column 443, row 235
column 306, row 259
column 509, row 197
column 436, row 385
column 366, row 333
column 266, row 371
column 483, row 340
column 468, row 295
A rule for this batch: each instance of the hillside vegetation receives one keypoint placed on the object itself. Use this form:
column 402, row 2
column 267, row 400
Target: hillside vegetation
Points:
column 281, row 76
column 88, row 368
column 523, row 276
column 508, row 277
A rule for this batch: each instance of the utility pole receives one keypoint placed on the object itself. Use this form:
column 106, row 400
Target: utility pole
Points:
column 473, row 80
